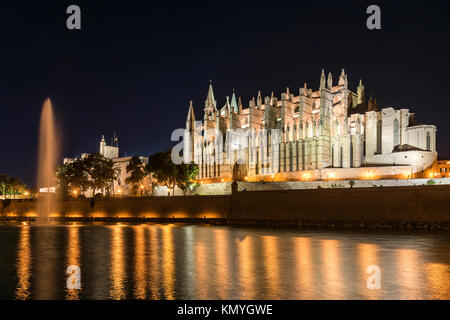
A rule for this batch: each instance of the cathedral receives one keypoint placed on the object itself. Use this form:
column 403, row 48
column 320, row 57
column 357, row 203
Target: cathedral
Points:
column 331, row 133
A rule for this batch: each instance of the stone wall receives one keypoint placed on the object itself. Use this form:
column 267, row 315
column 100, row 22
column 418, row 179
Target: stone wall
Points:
column 225, row 188
column 429, row 204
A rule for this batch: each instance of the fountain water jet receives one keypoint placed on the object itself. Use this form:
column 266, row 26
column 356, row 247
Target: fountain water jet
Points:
column 47, row 160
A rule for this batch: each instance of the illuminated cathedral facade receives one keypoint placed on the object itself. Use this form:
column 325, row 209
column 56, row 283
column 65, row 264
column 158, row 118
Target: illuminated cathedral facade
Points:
column 329, row 133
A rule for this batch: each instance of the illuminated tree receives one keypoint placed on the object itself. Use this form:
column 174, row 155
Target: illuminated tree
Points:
column 137, row 173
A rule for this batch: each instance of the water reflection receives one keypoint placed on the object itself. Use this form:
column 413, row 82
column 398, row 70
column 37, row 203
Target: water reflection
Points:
column 331, row 269
column 439, row 285
column 117, row 264
column 304, row 272
column 245, row 271
column 367, row 256
column 73, row 257
column 23, row 264
column 221, row 248
column 168, row 259
column 408, row 271
column 271, row 266
column 48, row 270
column 153, row 261
column 140, row 274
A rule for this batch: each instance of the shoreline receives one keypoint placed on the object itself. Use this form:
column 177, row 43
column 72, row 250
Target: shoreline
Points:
column 281, row 224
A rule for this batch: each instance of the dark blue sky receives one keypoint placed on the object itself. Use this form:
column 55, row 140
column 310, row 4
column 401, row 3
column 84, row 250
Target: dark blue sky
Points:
column 135, row 65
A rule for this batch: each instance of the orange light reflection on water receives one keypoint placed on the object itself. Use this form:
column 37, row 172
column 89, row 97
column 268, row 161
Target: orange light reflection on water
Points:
column 304, row 268
column 245, row 261
column 438, row 276
column 222, row 263
column 368, row 256
column 73, row 257
column 271, row 265
column 408, row 274
column 331, row 272
column 154, row 262
column 23, row 264
column 168, row 260
column 140, row 273
column 117, row 273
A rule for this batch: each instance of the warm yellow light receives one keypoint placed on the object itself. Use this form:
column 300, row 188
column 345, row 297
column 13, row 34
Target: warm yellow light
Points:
column 75, row 192
column 273, row 176
column 201, row 182
column 223, row 180
column 119, row 191
column 246, row 178
column 142, row 187
column 26, row 193
column 331, row 175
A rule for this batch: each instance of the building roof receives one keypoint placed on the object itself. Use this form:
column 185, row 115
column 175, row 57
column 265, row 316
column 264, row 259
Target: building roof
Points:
column 406, row 147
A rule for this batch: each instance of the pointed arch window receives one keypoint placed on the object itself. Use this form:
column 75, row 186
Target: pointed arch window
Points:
column 428, row 141
column 396, row 133
column 379, row 132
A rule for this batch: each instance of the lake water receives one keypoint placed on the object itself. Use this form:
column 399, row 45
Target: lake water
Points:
column 175, row 261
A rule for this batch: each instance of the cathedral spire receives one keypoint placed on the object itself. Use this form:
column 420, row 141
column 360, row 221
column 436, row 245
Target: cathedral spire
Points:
column 360, row 91
column 342, row 79
column 234, row 106
column 259, row 99
column 322, row 80
column 190, row 117
column 240, row 105
column 210, row 102
column 330, row 81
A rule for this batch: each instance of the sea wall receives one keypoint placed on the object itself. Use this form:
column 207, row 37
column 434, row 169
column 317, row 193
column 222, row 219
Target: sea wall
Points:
column 371, row 206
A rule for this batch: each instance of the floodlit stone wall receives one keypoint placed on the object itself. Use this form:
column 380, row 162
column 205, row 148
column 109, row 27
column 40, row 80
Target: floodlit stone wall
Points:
column 416, row 204
column 225, row 188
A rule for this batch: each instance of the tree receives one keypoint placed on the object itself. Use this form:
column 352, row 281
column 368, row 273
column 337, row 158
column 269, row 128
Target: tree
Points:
column 4, row 184
column 11, row 186
column 186, row 175
column 162, row 168
column 17, row 187
column 73, row 175
column 102, row 172
column 137, row 173
column 170, row 175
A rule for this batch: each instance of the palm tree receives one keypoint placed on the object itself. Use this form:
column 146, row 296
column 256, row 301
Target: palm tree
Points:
column 16, row 186
column 4, row 184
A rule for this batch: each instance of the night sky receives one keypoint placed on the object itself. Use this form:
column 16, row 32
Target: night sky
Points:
column 134, row 65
